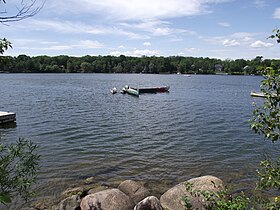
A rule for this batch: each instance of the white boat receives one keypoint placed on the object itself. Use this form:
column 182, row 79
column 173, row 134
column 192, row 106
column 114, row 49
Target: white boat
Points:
column 113, row 90
column 261, row 94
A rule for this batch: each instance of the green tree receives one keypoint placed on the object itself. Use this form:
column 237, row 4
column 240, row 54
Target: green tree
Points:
column 18, row 169
column 19, row 161
column 266, row 122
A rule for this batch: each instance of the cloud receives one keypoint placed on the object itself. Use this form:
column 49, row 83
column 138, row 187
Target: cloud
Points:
column 260, row 3
column 63, row 26
column 230, row 43
column 137, row 9
column 261, row 44
column 192, row 50
column 147, row 44
column 84, row 44
column 70, row 27
column 156, row 28
column 241, row 35
column 235, row 39
column 276, row 13
column 224, row 24
column 136, row 53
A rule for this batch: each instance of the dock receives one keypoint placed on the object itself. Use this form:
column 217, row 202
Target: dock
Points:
column 6, row 117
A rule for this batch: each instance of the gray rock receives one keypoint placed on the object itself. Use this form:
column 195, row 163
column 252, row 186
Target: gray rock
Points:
column 70, row 203
column 97, row 189
column 73, row 191
column 111, row 199
column 134, row 190
column 172, row 199
column 149, row 203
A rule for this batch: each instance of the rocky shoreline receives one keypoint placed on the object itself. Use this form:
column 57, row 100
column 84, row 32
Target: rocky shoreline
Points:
column 131, row 195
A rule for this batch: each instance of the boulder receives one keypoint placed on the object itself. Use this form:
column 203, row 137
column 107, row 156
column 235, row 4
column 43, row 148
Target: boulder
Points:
column 70, row 203
column 134, row 190
column 173, row 198
column 73, row 191
column 149, row 203
column 111, row 199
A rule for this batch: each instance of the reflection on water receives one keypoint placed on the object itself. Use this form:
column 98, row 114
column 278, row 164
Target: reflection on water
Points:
column 8, row 125
column 200, row 127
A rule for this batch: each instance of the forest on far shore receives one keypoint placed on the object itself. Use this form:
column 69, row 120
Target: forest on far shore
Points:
column 127, row 64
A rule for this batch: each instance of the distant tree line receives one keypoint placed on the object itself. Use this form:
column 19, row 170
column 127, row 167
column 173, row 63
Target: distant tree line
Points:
column 126, row 64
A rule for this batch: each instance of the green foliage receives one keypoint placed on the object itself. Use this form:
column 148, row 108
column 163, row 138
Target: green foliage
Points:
column 276, row 35
column 127, row 64
column 269, row 174
column 220, row 200
column 18, row 169
column 4, row 45
column 266, row 120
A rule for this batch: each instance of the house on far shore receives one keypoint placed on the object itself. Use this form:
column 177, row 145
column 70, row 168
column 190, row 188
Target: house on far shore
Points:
column 218, row 67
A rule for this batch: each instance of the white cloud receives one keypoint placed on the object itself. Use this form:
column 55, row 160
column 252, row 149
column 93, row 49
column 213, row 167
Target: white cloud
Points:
column 224, row 24
column 147, row 44
column 146, row 52
column 84, row 44
column 79, row 28
column 136, row 53
column 157, row 28
column 230, row 43
column 241, row 35
column 259, row 3
column 137, row 9
column 63, row 26
column 276, row 13
column 192, row 50
column 261, row 44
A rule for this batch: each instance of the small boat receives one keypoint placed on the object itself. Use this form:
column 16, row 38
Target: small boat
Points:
column 113, row 90
column 261, row 94
column 123, row 90
column 132, row 91
column 257, row 94
column 160, row 89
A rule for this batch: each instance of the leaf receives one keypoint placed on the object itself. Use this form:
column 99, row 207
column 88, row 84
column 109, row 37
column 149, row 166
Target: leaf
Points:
column 5, row 198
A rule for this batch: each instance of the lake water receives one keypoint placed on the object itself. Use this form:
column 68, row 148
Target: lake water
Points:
column 199, row 128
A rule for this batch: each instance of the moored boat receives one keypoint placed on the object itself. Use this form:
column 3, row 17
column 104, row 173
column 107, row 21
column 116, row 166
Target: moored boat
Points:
column 160, row 89
column 132, row 91
column 261, row 94
column 113, row 90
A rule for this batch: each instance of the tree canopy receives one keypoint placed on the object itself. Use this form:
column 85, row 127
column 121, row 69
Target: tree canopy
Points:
column 127, row 64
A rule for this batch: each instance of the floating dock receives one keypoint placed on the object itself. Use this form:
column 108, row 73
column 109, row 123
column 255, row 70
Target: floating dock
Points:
column 6, row 117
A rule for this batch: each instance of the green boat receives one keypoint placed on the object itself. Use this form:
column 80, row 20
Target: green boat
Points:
column 132, row 92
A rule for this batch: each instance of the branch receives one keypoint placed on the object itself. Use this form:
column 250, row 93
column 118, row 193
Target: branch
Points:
column 23, row 12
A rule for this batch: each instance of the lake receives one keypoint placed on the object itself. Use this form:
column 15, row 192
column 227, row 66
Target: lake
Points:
column 201, row 127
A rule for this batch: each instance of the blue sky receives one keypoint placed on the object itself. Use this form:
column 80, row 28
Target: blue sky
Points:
column 226, row 29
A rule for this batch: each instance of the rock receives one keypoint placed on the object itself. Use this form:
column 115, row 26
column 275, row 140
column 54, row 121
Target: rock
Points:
column 96, row 189
column 73, row 191
column 70, row 203
column 172, row 199
column 111, row 199
column 89, row 180
column 134, row 190
column 149, row 203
